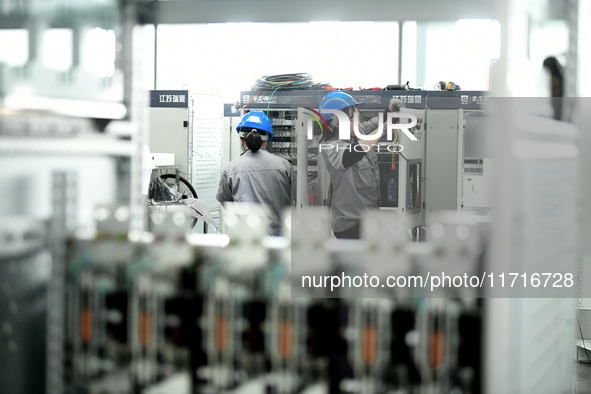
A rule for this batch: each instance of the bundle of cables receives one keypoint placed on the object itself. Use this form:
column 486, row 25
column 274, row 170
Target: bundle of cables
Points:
column 287, row 81
column 284, row 81
column 159, row 191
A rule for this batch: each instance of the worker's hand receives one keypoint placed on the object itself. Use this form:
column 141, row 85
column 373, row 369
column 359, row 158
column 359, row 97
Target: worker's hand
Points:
column 395, row 105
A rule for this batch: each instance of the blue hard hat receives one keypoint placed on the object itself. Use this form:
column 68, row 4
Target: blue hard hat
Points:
column 256, row 120
column 336, row 100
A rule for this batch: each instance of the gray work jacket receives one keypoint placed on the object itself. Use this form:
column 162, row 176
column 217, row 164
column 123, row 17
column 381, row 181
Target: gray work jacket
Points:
column 354, row 189
column 261, row 178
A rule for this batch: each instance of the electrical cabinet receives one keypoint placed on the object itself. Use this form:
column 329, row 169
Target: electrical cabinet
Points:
column 478, row 164
column 169, row 133
column 191, row 126
column 443, row 162
column 419, row 177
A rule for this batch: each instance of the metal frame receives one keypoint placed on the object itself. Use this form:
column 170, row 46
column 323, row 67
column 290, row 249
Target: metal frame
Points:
column 64, row 201
column 310, row 10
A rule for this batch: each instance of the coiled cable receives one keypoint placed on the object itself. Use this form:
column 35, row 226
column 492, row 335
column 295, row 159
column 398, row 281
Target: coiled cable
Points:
column 291, row 81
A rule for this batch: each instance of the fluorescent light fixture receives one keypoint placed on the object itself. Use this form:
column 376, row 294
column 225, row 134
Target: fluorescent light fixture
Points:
column 66, row 107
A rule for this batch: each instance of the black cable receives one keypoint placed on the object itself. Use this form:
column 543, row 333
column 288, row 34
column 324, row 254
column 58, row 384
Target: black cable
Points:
column 165, row 172
column 182, row 181
column 159, row 191
column 582, row 340
column 291, row 81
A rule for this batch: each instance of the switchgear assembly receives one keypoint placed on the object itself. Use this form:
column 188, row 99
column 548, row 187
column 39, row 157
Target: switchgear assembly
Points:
column 422, row 171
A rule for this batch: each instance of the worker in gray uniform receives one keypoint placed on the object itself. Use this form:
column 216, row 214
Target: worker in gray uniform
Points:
column 258, row 176
column 352, row 164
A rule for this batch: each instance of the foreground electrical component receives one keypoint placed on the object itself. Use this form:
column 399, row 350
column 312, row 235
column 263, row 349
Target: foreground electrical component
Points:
column 217, row 313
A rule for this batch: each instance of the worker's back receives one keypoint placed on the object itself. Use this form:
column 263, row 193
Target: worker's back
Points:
column 260, row 178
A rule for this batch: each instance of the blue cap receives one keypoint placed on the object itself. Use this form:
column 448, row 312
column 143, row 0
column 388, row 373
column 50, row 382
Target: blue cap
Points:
column 336, row 100
column 256, row 120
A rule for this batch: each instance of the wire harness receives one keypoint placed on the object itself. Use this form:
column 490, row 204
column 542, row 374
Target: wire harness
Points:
column 288, row 81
